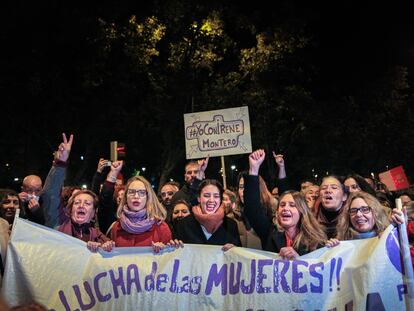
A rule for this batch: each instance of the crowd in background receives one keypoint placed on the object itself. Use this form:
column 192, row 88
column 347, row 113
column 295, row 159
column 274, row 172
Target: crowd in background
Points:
column 286, row 219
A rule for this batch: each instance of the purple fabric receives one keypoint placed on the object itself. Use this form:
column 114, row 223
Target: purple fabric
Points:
column 135, row 222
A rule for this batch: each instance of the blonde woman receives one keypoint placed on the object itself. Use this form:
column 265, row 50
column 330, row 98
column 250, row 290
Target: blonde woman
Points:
column 141, row 218
column 363, row 217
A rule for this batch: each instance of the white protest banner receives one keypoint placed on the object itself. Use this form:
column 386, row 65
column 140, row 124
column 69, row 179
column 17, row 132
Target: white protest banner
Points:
column 217, row 133
column 58, row 271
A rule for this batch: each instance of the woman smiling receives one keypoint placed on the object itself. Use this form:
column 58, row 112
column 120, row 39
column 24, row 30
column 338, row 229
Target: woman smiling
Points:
column 208, row 224
column 363, row 217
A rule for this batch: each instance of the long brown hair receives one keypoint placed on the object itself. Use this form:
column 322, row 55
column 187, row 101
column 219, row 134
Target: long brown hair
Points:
column 310, row 232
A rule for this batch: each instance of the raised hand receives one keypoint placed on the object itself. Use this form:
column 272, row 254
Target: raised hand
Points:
column 101, row 165
column 116, row 167
column 279, row 159
column 202, row 164
column 256, row 159
column 62, row 154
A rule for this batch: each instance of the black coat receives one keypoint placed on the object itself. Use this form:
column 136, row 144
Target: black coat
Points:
column 189, row 230
column 272, row 240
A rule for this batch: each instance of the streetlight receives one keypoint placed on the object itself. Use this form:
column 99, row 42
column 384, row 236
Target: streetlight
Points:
column 233, row 168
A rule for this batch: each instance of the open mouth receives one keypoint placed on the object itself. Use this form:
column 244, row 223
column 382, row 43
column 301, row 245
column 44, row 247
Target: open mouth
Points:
column 210, row 207
column 285, row 215
column 81, row 213
column 327, row 199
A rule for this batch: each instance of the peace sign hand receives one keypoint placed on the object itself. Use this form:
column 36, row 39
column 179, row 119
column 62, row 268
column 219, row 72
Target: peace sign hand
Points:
column 62, row 154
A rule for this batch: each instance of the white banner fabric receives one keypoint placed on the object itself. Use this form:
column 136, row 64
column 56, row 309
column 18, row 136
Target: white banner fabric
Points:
column 59, row 272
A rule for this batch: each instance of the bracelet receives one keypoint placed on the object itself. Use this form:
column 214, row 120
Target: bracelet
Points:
column 111, row 178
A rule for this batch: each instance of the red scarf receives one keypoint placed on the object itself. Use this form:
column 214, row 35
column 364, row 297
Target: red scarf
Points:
column 210, row 221
column 289, row 241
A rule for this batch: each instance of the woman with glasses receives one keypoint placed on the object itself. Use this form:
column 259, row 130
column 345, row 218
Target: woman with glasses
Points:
column 141, row 218
column 363, row 217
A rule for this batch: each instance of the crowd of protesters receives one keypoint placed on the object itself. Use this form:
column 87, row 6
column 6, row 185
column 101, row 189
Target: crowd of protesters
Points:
column 285, row 220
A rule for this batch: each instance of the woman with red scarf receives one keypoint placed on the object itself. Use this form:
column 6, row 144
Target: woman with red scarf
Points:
column 208, row 224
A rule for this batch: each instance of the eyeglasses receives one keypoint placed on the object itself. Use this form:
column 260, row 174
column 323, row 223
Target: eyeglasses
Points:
column 241, row 186
column 141, row 193
column 364, row 210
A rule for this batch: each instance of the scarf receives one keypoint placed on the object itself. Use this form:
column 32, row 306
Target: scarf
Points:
column 365, row 235
column 209, row 221
column 135, row 222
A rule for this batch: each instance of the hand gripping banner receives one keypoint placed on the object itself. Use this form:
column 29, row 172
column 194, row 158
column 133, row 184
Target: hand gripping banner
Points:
column 59, row 272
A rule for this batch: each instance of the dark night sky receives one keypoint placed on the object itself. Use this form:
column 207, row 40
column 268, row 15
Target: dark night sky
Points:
column 353, row 43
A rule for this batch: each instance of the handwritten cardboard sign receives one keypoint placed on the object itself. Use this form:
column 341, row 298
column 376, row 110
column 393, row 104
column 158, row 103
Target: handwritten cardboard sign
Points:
column 217, row 133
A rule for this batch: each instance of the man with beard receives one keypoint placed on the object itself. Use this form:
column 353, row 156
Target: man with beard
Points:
column 193, row 176
column 167, row 192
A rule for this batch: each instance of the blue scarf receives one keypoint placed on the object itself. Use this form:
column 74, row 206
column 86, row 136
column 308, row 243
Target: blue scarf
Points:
column 366, row 235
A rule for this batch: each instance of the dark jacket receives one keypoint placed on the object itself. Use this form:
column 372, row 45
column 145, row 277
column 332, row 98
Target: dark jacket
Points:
column 187, row 193
column 272, row 240
column 107, row 206
column 189, row 230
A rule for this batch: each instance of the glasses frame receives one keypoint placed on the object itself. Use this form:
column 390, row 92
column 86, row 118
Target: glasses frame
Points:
column 133, row 192
column 363, row 209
